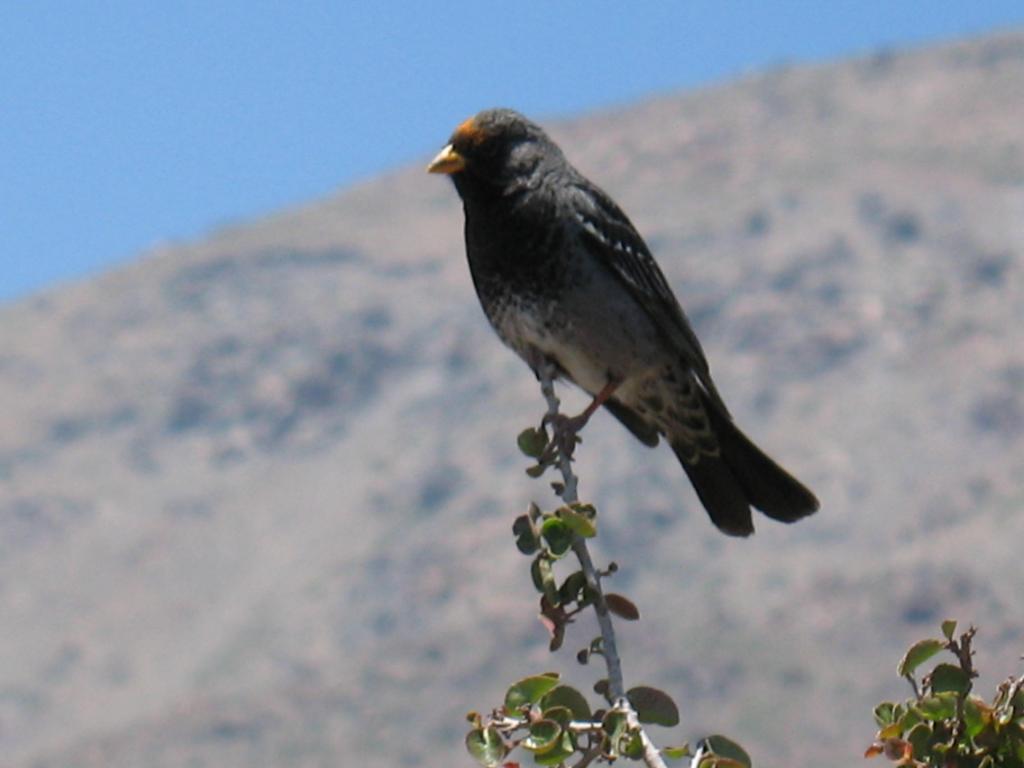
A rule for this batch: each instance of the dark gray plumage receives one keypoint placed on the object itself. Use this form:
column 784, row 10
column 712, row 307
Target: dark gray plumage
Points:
column 563, row 276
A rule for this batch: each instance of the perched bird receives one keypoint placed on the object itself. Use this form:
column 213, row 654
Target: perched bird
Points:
column 564, row 278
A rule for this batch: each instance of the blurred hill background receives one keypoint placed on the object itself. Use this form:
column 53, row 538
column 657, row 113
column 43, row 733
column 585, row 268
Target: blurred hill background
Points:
column 256, row 491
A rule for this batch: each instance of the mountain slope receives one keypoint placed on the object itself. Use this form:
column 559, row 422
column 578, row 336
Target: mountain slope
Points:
column 255, row 492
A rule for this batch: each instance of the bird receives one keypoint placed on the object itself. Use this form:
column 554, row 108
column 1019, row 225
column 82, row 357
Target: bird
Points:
column 566, row 280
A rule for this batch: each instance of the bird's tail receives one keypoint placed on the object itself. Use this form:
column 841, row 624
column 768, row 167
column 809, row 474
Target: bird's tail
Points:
column 742, row 476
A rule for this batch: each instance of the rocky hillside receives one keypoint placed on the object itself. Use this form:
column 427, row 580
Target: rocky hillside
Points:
column 255, row 492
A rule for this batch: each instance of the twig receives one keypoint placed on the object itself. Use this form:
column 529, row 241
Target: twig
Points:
column 547, row 388
column 588, row 757
column 616, row 687
column 964, row 655
column 1014, row 688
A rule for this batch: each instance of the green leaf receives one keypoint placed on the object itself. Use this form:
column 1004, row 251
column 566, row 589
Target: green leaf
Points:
column 544, row 578
column 653, row 706
column 558, row 535
column 561, row 715
column 941, row 706
column 676, row 753
column 526, row 536
column 486, row 746
column 714, row 761
column 634, row 748
column 614, row 725
column 948, row 628
column 578, row 519
column 908, row 720
column 947, row 677
column 543, row 736
column 536, row 470
column 920, row 737
column 727, row 748
column 622, row 607
column 567, row 696
column 891, row 731
column 883, row 713
column 529, row 691
column 572, row 586
column 1018, row 700
column 562, row 751
column 917, row 654
column 976, row 715
column 536, row 574
column 532, row 442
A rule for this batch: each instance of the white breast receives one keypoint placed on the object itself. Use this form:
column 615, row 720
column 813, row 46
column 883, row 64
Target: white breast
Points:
column 529, row 332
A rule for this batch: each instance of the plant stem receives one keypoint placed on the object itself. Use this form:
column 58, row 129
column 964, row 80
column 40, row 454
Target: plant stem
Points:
column 616, row 687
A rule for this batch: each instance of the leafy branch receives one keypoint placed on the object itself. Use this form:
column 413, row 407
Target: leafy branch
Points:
column 541, row 715
column 945, row 725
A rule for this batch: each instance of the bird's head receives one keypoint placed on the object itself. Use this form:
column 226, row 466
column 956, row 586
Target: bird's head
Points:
column 494, row 153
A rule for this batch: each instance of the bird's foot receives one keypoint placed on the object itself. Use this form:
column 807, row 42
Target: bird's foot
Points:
column 565, row 429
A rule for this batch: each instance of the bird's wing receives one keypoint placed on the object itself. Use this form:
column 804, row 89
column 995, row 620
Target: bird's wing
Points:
column 612, row 238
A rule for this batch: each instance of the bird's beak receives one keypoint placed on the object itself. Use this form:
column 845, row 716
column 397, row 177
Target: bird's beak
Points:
column 447, row 161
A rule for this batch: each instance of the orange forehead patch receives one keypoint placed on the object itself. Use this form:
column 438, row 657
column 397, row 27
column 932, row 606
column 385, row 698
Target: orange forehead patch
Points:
column 469, row 131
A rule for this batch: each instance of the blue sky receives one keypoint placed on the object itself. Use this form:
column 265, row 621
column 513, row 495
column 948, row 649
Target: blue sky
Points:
column 127, row 124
